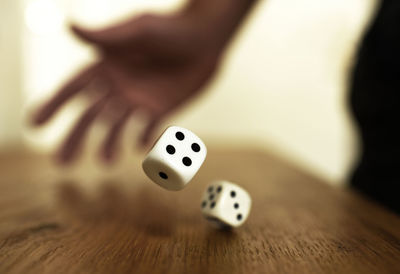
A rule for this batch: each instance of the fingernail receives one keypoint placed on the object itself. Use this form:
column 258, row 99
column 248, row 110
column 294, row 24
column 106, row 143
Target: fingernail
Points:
column 37, row 119
column 64, row 157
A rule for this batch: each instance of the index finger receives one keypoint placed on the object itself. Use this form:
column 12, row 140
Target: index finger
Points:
column 71, row 88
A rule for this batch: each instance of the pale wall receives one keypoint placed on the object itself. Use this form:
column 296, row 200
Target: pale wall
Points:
column 284, row 83
column 282, row 86
column 10, row 74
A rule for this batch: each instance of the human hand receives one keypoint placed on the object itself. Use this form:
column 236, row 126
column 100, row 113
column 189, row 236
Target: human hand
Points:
column 152, row 63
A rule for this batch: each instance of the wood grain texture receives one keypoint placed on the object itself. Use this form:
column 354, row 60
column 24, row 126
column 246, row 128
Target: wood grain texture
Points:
column 82, row 220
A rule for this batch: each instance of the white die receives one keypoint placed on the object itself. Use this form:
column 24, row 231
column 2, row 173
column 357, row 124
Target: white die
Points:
column 225, row 204
column 175, row 158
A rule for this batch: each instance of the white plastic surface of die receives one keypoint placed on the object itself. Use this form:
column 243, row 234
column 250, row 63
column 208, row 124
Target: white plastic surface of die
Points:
column 168, row 170
column 225, row 203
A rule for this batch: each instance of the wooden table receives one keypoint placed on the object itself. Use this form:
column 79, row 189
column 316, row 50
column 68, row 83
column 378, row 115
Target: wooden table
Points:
column 89, row 220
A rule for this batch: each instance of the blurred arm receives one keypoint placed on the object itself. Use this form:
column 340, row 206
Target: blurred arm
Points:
column 221, row 17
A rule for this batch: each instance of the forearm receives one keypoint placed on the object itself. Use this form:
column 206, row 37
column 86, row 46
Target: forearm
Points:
column 221, row 17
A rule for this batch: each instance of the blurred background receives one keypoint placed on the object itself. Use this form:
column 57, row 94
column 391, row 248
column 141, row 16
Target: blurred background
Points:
column 282, row 88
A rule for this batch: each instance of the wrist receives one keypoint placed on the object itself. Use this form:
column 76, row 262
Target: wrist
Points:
column 218, row 20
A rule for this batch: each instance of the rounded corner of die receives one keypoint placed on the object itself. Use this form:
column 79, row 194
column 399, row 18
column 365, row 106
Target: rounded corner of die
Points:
column 171, row 127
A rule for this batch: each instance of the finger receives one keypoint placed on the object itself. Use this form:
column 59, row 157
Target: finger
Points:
column 71, row 145
column 148, row 132
column 66, row 92
column 109, row 148
column 115, row 35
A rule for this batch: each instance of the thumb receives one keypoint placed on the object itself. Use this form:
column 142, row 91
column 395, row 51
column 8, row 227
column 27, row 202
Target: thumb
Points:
column 110, row 36
column 105, row 36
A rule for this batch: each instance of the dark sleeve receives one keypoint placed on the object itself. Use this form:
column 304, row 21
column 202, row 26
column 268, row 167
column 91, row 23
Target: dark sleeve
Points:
column 375, row 103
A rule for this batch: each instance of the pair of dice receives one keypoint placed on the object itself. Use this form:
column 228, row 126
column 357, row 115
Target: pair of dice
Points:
column 176, row 157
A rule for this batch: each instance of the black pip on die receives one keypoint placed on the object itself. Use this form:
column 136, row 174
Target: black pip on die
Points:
column 225, row 204
column 175, row 158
